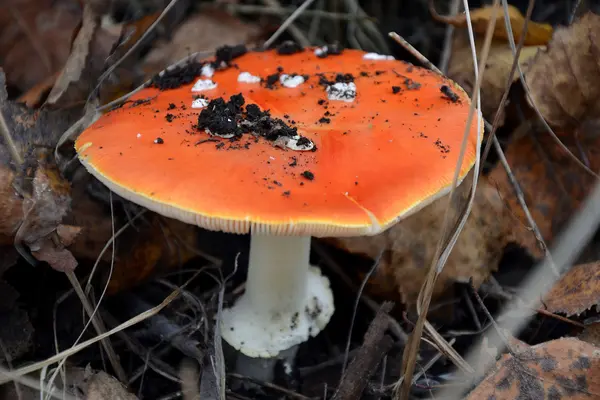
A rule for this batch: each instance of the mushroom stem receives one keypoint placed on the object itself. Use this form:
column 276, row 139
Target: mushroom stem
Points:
column 277, row 273
column 286, row 301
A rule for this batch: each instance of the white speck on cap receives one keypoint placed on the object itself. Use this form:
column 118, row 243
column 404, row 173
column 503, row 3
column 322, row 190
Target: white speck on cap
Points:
column 342, row 91
column 199, row 103
column 203, row 84
column 247, row 77
column 321, row 50
column 139, row 135
column 376, row 56
column 291, row 81
column 208, row 70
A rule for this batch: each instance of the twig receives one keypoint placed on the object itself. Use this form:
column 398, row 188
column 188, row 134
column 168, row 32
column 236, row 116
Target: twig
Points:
column 358, row 296
column 290, row 394
column 289, row 24
column 284, row 11
column 375, row 345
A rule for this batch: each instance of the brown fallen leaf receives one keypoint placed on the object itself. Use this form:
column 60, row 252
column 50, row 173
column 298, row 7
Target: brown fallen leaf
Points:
column 11, row 206
column 591, row 334
column 537, row 33
column 101, row 386
column 553, row 185
column 154, row 245
column 576, row 291
column 91, row 48
column 563, row 80
column 37, row 185
column 201, row 32
column 35, row 38
column 408, row 247
column 498, row 66
column 565, row 368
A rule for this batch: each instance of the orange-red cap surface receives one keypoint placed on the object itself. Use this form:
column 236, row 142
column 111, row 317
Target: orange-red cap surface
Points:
column 378, row 158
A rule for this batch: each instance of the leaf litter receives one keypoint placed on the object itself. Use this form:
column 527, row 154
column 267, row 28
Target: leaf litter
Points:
column 76, row 215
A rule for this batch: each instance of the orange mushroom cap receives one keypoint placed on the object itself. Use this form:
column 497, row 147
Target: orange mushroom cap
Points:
column 378, row 158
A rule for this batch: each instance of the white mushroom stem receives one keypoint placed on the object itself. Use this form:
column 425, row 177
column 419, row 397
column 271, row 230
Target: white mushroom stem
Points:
column 277, row 273
column 285, row 302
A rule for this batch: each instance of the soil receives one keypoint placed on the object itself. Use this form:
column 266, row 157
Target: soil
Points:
column 233, row 117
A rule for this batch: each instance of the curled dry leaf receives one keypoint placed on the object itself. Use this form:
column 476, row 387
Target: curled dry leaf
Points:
column 563, row 80
column 537, row 34
column 408, row 247
column 201, row 32
column 577, row 291
column 34, row 197
column 35, row 38
column 498, row 67
column 565, row 368
column 553, row 185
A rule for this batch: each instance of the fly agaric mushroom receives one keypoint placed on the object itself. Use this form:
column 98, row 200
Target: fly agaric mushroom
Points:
column 345, row 144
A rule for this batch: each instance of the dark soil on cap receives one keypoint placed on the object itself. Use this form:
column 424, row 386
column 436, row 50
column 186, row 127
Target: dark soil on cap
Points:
column 449, row 94
column 289, row 47
column 334, row 49
column 339, row 78
column 185, row 74
column 226, row 54
column 233, row 117
column 177, row 77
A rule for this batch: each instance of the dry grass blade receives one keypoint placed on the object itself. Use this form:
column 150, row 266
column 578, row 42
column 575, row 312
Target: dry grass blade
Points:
column 32, row 383
column 288, row 24
column 7, row 376
column 536, row 109
column 569, row 244
column 132, row 48
column 4, row 130
column 98, row 326
column 492, row 140
column 446, row 242
column 447, row 50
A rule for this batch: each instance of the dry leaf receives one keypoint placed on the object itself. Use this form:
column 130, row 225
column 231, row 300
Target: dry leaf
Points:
column 537, row 34
column 552, row 184
column 577, row 291
column 499, row 63
column 591, row 334
column 35, row 38
column 11, row 206
column 565, row 368
column 409, row 246
column 102, row 386
column 563, row 80
column 85, row 64
column 200, row 32
column 159, row 244
column 37, row 186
